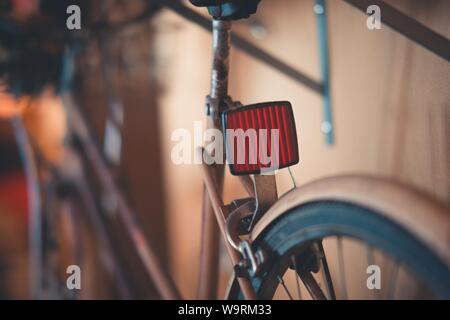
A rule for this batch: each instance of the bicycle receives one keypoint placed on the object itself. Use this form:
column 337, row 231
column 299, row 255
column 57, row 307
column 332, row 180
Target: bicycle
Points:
column 268, row 239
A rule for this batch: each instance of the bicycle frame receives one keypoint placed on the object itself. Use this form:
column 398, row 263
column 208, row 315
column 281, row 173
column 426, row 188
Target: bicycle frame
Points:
column 214, row 211
column 216, row 103
column 209, row 253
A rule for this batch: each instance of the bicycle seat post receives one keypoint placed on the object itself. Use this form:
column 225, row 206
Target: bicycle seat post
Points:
column 220, row 66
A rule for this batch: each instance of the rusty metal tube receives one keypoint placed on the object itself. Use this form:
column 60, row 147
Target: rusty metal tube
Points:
column 221, row 63
column 209, row 251
column 221, row 212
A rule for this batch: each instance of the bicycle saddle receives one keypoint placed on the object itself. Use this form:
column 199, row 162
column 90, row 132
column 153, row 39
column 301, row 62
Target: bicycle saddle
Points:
column 228, row 9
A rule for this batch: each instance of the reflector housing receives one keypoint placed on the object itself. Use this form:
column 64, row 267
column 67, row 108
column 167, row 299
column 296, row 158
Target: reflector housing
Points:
column 260, row 138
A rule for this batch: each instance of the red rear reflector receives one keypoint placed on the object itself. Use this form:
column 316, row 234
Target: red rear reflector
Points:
column 260, row 138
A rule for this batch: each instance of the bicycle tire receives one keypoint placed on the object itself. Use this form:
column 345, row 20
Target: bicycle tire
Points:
column 317, row 220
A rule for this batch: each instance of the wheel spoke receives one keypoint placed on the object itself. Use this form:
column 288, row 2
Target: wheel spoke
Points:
column 393, row 281
column 326, row 273
column 343, row 281
column 370, row 262
column 281, row 281
column 297, row 281
column 312, row 286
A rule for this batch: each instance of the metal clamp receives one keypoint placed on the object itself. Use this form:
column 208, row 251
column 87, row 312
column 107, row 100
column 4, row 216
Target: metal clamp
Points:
column 266, row 195
column 237, row 225
column 252, row 260
column 236, row 222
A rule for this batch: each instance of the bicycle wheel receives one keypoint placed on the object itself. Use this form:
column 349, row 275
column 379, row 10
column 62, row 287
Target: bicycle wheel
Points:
column 288, row 238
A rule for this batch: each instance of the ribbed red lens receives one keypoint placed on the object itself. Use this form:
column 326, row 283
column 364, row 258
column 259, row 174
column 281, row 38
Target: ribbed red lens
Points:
column 260, row 138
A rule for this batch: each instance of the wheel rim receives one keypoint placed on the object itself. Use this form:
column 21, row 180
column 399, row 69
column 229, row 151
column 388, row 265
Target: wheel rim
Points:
column 386, row 236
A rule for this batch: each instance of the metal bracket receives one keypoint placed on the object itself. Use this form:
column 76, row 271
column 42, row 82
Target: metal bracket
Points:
column 308, row 260
column 239, row 220
column 244, row 216
column 214, row 107
column 237, row 225
column 266, row 195
column 252, row 260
